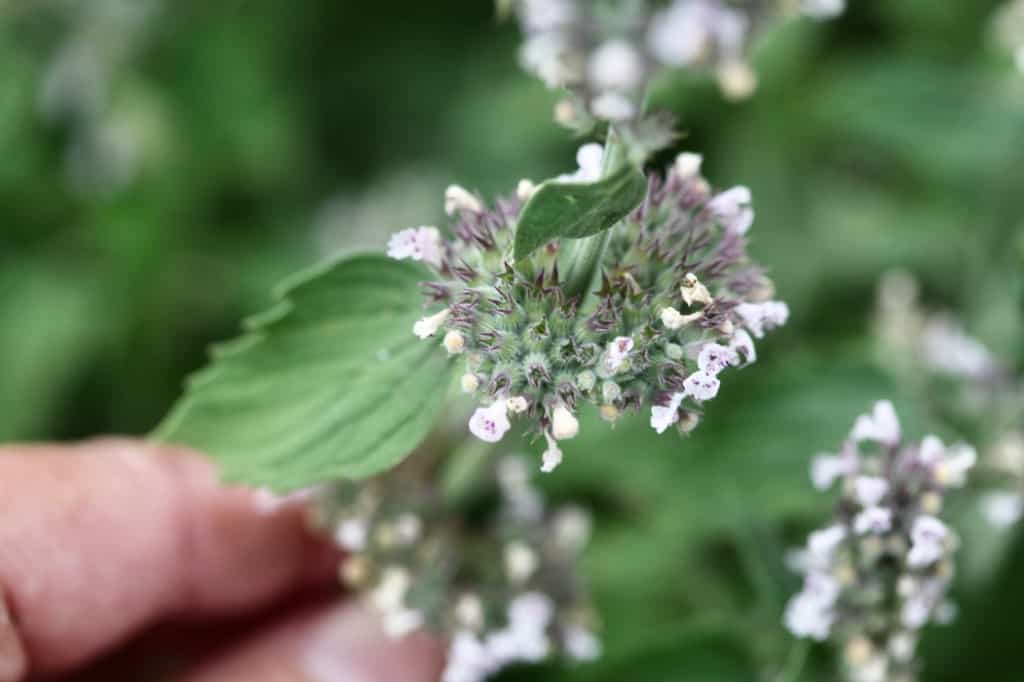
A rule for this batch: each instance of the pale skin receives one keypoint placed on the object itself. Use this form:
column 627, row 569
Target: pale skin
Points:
column 103, row 541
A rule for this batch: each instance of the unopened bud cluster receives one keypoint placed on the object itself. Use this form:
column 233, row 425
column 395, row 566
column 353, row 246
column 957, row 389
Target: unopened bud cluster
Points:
column 606, row 53
column 501, row 590
column 880, row 571
column 679, row 303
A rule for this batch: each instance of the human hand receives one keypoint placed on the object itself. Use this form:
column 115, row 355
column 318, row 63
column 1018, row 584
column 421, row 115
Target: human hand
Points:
column 121, row 559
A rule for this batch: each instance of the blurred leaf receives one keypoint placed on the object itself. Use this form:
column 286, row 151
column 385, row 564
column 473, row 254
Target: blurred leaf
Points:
column 329, row 383
column 576, row 210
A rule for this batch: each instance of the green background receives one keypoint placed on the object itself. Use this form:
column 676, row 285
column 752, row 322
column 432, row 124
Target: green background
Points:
column 268, row 135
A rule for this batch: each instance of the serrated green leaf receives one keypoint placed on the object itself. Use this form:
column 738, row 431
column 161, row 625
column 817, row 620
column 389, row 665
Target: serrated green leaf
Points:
column 575, row 210
column 329, row 383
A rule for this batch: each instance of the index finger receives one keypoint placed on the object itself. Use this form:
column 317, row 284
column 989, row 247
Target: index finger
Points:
column 102, row 539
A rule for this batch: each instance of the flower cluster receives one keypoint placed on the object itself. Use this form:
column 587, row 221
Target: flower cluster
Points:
column 880, row 571
column 422, row 565
column 605, row 57
column 679, row 303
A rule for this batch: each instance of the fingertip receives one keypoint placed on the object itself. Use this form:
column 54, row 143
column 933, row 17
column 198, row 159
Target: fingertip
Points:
column 340, row 643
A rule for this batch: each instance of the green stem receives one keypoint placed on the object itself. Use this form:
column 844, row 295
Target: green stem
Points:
column 462, row 471
column 795, row 661
column 582, row 257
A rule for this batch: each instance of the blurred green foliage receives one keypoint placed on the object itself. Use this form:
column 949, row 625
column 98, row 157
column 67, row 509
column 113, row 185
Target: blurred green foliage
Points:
column 263, row 138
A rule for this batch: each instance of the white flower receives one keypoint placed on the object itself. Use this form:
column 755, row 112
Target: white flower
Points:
column 615, row 65
column 805, row 617
column 617, row 352
column 563, row 424
column 873, row 520
column 428, row 326
column 525, row 189
column 678, row 36
column 468, row 659
column 398, row 624
column 870, row 490
column 822, row 544
column 809, row 613
column 517, row 404
column 688, row 164
column 490, row 423
column 454, row 342
column 351, row 534
column 589, row 157
column 693, row 291
column 702, row 385
column 531, row 611
column 741, row 342
column 571, row 529
column 664, row 416
column 951, row 472
column 389, row 594
column 931, row 451
column 915, row 613
column 547, row 15
column 409, row 528
column 825, row 469
column 613, row 106
column 762, row 317
column 469, row 611
column 738, row 81
column 928, row 536
column 552, row 456
column 947, row 348
column 458, row 200
column 732, row 208
column 581, row 644
column 823, row 9
column 713, row 358
column 1002, row 509
column 520, row 562
column 881, row 426
column 469, row 383
column 671, row 318
column 417, row 243
column 549, row 56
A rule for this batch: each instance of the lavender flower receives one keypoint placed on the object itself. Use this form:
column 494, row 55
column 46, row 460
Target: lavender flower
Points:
column 880, row 571
column 677, row 308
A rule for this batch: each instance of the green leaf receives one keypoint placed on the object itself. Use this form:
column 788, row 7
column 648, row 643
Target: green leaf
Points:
column 575, row 210
column 329, row 383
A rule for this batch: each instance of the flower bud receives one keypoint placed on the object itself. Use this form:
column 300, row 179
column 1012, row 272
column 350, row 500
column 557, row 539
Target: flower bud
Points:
column 517, row 404
column 428, row 326
column 688, row 164
column 454, row 342
column 469, row 383
column 525, row 189
column 458, row 200
column 563, row 424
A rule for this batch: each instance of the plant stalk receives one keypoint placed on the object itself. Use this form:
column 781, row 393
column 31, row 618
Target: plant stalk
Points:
column 582, row 257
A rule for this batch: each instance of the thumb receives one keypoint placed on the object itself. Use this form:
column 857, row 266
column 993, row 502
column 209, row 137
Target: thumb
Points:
column 340, row 643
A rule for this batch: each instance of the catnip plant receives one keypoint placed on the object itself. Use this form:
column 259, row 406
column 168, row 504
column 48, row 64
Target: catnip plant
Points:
column 622, row 286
